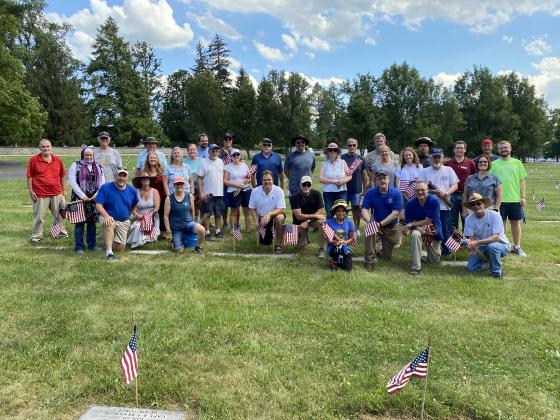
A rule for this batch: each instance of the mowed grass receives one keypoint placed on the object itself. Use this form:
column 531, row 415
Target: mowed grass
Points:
column 232, row 337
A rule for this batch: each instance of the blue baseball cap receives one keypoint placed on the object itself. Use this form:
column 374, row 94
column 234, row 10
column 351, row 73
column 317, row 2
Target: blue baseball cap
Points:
column 213, row 146
column 436, row 151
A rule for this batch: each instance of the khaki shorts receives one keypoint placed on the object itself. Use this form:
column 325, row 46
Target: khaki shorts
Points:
column 314, row 225
column 121, row 231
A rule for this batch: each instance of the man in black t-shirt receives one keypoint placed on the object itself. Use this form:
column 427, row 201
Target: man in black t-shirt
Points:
column 307, row 212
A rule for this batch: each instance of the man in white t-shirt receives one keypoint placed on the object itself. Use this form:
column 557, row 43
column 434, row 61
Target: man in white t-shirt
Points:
column 267, row 206
column 211, row 189
column 443, row 182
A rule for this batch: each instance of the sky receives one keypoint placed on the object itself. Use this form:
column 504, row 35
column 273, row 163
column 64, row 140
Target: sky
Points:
column 333, row 40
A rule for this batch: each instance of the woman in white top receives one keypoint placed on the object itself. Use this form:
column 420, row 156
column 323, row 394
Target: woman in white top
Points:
column 333, row 176
column 237, row 180
column 85, row 177
column 148, row 202
column 407, row 174
column 176, row 168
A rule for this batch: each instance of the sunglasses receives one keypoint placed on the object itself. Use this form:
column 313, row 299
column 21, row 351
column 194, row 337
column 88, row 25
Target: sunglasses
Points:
column 352, row 145
column 332, row 150
column 300, row 142
column 236, row 155
column 306, row 184
column 267, row 145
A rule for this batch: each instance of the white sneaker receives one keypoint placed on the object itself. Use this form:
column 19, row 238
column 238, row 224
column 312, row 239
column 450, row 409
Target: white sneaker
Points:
column 517, row 250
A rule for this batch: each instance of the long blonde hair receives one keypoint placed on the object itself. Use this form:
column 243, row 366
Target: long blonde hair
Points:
column 159, row 166
column 415, row 159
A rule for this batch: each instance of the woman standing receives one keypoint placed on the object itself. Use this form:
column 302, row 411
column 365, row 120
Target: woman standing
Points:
column 333, row 176
column 484, row 183
column 148, row 206
column 407, row 174
column 153, row 167
column 388, row 164
column 85, row 177
column 193, row 162
column 176, row 168
column 237, row 179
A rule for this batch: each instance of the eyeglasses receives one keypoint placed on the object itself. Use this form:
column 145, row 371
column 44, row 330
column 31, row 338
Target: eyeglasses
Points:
column 306, row 184
column 422, row 191
column 352, row 145
column 236, row 155
column 267, row 145
column 332, row 150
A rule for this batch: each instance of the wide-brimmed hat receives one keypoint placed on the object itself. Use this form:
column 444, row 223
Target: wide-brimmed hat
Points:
column 424, row 140
column 150, row 140
column 299, row 137
column 475, row 198
column 137, row 180
column 341, row 203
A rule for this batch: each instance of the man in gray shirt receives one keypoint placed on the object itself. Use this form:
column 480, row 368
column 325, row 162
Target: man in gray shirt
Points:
column 299, row 163
column 107, row 157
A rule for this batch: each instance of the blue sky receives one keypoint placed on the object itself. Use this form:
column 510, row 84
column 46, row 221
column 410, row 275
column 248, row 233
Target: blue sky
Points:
column 330, row 40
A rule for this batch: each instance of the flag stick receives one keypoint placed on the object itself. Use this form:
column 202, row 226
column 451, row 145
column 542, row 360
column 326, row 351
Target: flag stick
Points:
column 427, row 375
column 233, row 237
column 136, row 382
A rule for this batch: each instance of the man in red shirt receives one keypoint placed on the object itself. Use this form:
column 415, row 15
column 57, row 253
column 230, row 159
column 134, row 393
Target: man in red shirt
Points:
column 45, row 182
column 463, row 167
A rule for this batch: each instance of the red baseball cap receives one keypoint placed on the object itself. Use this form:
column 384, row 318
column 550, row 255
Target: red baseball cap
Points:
column 487, row 141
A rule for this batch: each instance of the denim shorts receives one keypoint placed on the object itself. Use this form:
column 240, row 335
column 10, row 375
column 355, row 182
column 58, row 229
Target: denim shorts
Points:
column 181, row 236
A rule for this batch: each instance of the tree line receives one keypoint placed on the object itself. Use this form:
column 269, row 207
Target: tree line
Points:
column 47, row 92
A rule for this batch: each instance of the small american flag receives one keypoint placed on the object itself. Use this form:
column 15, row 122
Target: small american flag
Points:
column 541, row 205
column 467, row 242
column 252, row 170
column 290, row 235
column 372, row 228
column 355, row 165
column 417, row 367
column 56, row 229
column 75, row 212
column 407, row 187
column 354, row 236
column 226, row 158
column 129, row 361
column 261, row 228
column 236, row 232
column 453, row 244
column 147, row 221
column 329, row 233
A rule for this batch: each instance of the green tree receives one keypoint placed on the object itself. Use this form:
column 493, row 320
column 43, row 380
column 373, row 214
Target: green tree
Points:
column 241, row 109
column 328, row 113
column 268, row 111
column 552, row 147
column 360, row 119
column 295, row 105
column 218, row 59
column 202, row 61
column 148, row 66
column 118, row 99
column 174, row 111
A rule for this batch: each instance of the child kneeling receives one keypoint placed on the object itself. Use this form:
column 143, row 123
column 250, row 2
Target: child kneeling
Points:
column 343, row 228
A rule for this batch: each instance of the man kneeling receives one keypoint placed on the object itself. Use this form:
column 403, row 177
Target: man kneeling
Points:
column 178, row 216
column 485, row 231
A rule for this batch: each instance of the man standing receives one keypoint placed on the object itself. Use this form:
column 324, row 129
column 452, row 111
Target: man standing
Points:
column 485, row 231
column 299, row 163
column 373, row 157
column 115, row 201
column 423, row 224
column 463, row 167
column 423, row 145
column 107, row 157
column 386, row 203
column 211, row 189
column 267, row 160
column 225, row 155
column 47, row 189
column 150, row 145
column 202, row 149
column 356, row 188
column 443, row 182
column 512, row 174
column 267, row 206
column 486, row 146
column 307, row 212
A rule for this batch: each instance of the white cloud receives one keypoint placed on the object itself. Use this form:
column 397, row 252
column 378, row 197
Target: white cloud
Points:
column 321, row 80
column 290, row 42
column 448, row 80
column 138, row 20
column 538, row 46
column 256, row 71
column 310, row 55
column 234, row 63
column 216, row 25
column 370, row 41
column 547, row 82
column 508, row 39
column 271, row 54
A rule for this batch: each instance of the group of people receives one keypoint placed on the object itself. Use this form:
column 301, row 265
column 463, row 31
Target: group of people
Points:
column 184, row 199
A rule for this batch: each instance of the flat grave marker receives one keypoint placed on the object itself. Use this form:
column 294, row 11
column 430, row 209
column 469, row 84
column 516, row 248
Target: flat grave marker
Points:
column 98, row 412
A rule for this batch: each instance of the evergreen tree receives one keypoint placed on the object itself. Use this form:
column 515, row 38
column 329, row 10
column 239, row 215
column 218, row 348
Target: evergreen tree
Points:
column 268, row 111
column 360, row 120
column 295, row 108
column 218, row 54
column 241, row 110
column 552, row 147
column 118, row 100
column 149, row 66
column 328, row 113
column 201, row 63
column 174, row 111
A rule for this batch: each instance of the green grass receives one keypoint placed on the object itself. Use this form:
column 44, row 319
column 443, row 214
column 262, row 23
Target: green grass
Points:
column 232, row 337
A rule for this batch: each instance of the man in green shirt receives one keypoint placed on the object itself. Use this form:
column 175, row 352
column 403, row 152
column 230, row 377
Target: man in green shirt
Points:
column 512, row 175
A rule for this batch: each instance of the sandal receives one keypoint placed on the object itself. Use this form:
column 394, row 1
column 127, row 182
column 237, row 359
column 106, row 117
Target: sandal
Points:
column 277, row 249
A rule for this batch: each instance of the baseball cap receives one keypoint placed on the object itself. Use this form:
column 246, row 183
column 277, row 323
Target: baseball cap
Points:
column 381, row 172
column 436, row 151
column 305, row 178
column 103, row 134
column 179, row 180
column 234, row 151
column 487, row 141
column 266, row 140
column 213, row 146
column 121, row 169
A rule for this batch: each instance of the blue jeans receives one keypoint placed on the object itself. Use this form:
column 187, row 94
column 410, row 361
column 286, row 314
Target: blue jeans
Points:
column 79, row 235
column 457, row 201
column 445, row 216
column 494, row 252
column 330, row 197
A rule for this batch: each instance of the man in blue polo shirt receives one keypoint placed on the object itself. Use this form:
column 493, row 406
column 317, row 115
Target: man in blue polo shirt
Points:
column 267, row 160
column 386, row 203
column 300, row 162
column 115, row 201
column 423, row 223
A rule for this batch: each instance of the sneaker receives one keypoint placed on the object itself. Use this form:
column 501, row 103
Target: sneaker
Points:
column 208, row 236
column 225, row 226
column 219, row 235
column 95, row 249
column 321, row 253
column 79, row 251
column 198, row 250
column 497, row 275
column 414, row 272
column 277, row 249
column 112, row 258
column 517, row 250
column 34, row 241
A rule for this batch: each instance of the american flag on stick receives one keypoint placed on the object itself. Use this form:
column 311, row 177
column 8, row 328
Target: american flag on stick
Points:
column 407, row 187
column 236, row 232
column 226, row 158
column 541, row 205
column 355, row 165
column 56, row 229
column 129, row 361
column 261, row 228
column 354, row 236
column 252, row 170
column 431, row 232
column 372, row 228
column 453, row 244
column 75, row 212
column 417, row 367
column 147, row 221
column 329, row 233
column 290, row 235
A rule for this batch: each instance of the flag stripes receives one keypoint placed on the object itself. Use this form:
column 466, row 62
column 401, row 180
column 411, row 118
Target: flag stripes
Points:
column 417, row 367
column 291, row 233
column 129, row 361
column 75, row 212
column 372, row 228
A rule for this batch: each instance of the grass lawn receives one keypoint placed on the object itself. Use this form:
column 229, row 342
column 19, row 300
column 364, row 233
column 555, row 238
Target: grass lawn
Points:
column 231, row 337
